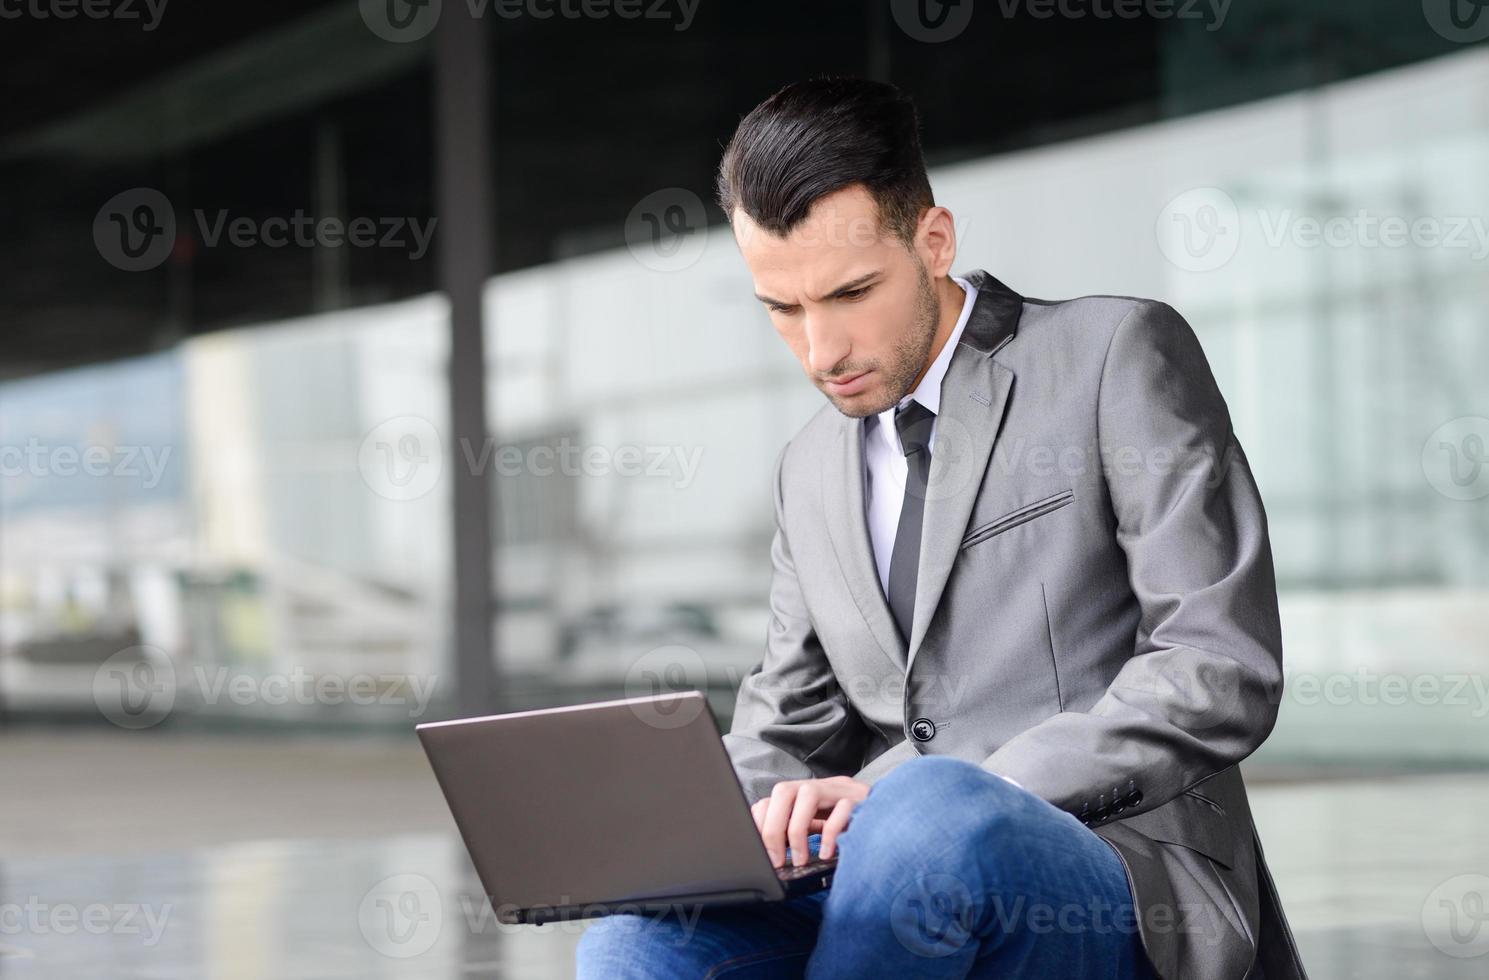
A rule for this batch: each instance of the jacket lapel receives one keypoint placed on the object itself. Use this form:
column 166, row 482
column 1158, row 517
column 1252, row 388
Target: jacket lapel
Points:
column 974, row 394
column 848, row 527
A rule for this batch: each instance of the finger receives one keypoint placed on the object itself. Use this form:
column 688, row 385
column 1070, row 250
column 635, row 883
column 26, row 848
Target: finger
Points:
column 808, row 798
column 836, row 823
column 757, row 811
column 778, row 812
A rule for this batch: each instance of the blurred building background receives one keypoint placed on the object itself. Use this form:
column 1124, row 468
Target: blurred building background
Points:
column 365, row 364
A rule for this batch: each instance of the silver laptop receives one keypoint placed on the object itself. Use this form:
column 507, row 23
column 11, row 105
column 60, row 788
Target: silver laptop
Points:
column 614, row 806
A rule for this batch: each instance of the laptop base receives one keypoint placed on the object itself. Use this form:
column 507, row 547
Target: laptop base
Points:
column 567, row 913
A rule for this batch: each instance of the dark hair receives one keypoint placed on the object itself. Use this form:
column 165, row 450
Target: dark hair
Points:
column 819, row 136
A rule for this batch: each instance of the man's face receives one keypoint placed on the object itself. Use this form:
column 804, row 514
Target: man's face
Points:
column 856, row 307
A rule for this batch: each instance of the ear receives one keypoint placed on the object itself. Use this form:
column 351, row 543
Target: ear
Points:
column 935, row 241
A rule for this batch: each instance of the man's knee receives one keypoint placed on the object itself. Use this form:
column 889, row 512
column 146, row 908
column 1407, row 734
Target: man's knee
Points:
column 952, row 805
column 613, row 944
column 933, row 786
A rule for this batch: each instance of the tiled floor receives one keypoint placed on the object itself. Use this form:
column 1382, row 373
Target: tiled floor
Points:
column 228, row 857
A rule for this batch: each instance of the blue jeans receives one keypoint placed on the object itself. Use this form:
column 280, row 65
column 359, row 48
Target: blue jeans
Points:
column 945, row 870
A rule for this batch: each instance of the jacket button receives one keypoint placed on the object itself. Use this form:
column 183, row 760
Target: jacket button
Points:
column 923, row 729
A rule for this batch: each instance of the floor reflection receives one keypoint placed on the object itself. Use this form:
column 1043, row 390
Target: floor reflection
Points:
column 401, row 907
column 1383, row 879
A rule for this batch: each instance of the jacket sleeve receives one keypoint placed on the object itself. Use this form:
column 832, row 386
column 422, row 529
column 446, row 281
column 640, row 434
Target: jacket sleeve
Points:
column 1201, row 688
column 792, row 719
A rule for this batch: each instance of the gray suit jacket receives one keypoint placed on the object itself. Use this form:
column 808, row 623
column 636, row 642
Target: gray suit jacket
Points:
column 1095, row 617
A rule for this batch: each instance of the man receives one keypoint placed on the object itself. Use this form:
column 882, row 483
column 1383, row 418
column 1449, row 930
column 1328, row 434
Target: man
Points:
column 1023, row 614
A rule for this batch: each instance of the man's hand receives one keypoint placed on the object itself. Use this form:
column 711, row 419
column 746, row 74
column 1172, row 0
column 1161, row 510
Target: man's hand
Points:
column 796, row 808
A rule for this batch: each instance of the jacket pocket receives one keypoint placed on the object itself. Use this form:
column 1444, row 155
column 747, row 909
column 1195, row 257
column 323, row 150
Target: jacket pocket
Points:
column 1191, row 821
column 1198, row 795
column 1016, row 517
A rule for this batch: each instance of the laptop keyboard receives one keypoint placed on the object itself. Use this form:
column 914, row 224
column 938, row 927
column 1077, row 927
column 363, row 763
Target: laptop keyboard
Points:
column 815, row 866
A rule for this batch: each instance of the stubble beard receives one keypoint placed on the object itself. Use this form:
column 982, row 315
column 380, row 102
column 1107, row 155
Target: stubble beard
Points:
column 909, row 354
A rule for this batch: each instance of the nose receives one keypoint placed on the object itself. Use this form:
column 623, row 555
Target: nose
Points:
column 826, row 347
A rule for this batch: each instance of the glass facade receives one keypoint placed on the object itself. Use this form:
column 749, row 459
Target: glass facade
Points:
column 253, row 482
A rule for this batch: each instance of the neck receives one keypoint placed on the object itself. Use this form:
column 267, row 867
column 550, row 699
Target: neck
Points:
column 952, row 297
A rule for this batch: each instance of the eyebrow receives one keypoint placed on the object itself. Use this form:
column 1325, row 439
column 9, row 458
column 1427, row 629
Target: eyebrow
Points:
column 846, row 287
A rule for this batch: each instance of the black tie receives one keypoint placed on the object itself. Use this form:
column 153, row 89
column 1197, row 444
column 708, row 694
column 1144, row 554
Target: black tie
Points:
column 914, row 423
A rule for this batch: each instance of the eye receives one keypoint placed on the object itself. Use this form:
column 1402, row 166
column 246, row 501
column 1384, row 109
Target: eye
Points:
column 784, row 310
column 855, row 294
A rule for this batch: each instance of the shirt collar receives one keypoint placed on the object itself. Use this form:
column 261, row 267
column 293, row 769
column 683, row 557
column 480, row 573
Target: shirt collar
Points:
column 928, row 392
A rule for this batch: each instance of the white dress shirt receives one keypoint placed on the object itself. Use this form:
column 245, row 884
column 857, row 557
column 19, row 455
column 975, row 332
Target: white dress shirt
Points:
column 885, row 469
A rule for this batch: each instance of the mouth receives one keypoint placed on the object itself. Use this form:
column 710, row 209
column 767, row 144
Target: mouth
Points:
column 850, row 385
